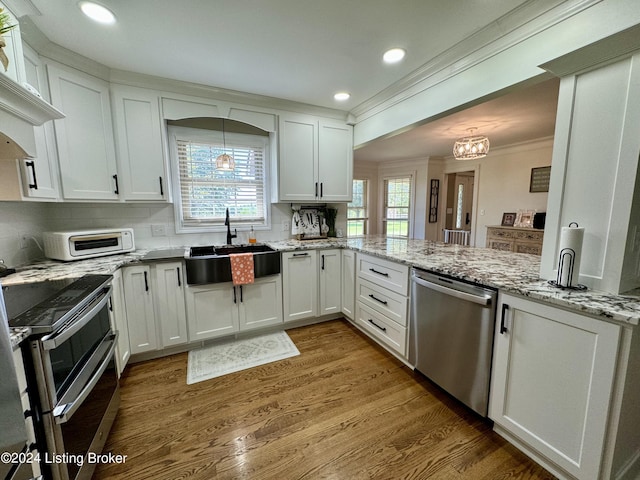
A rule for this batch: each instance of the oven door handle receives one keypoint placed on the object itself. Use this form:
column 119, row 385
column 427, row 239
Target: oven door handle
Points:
column 65, row 409
column 58, row 338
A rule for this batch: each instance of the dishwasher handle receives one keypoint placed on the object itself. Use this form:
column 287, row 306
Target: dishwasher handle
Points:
column 484, row 300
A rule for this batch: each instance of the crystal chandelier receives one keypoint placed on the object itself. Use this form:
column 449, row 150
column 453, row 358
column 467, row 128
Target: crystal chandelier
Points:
column 225, row 161
column 471, row 147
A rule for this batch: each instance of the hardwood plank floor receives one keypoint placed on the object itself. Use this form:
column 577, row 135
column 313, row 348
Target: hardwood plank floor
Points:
column 343, row 409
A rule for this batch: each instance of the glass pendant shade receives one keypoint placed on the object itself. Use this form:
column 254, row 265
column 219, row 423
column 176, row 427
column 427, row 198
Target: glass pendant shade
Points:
column 471, row 147
column 225, row 161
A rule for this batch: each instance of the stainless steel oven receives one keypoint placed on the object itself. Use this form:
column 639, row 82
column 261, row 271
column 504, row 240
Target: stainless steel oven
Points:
column 74, row 374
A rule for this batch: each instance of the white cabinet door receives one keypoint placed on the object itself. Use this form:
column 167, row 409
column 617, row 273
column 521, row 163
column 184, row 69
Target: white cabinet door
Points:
column 139, row 141
column 297, row 172
column 300, row 285
column 170, row 304
column 40, row 174
column 335, row 161
column 260, row 303
column 330, row 279
column 84, row 137
column 139, row 305
column 119, row 321
column 315, row 161
column 552, row 381
column 212, row 310
column 348, row 283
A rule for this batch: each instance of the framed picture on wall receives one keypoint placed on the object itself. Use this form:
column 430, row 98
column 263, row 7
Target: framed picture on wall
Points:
column 540, row 179
column 508, row 219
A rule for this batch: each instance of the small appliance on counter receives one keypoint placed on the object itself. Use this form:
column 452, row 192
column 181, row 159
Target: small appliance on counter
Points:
column 81, row 244
column 4, row 270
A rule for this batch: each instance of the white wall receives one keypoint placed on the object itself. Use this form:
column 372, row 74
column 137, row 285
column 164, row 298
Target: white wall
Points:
column 18, row 219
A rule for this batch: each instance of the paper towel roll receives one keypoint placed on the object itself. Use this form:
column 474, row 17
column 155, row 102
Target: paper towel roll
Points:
column 569, row 253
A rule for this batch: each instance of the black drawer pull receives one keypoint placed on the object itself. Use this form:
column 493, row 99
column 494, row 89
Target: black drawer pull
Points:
column 179, row 281
column 115, row 179
column 146, row 282
column 384, row 302
column 322, row 262
column 503, row 328
column 30, row 164
column 161, row 187
column 379, row 273
column 376, row 325
column 300, row 254
column 235, row 299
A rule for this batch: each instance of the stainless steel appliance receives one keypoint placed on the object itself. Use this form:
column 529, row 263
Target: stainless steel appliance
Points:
column 13, row 433
column 451, row 335
column 72, row 369
column 80, row 244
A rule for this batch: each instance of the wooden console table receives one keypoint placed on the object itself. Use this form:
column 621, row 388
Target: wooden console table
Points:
column 515, row 239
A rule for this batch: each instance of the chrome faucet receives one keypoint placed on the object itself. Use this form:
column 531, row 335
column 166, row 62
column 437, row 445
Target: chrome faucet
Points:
column 230, row 237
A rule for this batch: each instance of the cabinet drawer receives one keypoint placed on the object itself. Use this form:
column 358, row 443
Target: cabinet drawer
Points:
column 382, row 328
column 382, row 272
column 384, row 301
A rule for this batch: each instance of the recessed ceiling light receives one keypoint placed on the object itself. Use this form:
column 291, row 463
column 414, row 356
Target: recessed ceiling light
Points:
column 394, row 55
column 342, row 96
column 97, row 13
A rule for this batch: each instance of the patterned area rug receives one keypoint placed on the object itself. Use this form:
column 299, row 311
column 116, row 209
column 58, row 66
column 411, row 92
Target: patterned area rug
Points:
column 236, row 355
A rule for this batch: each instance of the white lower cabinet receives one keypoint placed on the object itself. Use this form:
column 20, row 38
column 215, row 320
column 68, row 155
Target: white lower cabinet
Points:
column 118, row 314
column 300, row 278
column 139, row 306
column 330, row 281
column 348, row 283
column 220, row 309
column 168, row 286
column 552, row 380
column 381, row 298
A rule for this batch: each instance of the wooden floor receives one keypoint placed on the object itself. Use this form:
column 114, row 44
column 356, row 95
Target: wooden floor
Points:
column 343, row 409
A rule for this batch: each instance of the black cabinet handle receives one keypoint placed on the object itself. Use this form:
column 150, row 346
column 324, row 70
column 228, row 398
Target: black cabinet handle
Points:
column 179, row 281
column 316, row 189
column 321, row 188
column 117, row 190
column 30, row 164
column 503, row 328
column 110, row 304
column 379, row 273
column 235, row 300
column 146, row 282
column 322, row 262
column 384, row 302
column 376, row 325
column 300, row 254
column 161, row 187
column 241, row 300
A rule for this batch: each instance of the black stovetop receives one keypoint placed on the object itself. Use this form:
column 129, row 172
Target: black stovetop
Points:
column 43, row 305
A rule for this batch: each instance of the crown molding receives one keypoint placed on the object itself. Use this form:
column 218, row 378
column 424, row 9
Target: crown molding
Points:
column 511, row 29
column 20, row 8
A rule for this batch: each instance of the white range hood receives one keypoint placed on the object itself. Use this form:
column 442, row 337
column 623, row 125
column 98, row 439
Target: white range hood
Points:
column 20, row 111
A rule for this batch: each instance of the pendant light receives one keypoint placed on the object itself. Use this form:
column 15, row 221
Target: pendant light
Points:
column 471, row 147
column 225, row 161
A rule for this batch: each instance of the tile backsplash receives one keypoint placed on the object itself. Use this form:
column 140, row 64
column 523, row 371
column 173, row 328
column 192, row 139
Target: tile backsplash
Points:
column 22, row 224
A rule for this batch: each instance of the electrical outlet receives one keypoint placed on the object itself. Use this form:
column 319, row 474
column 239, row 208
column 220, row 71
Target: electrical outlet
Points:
column 158, row 230
column 286, row 226
column 24, row 242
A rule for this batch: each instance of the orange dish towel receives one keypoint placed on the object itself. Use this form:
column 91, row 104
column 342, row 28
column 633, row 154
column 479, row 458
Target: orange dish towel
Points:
column 242, row 268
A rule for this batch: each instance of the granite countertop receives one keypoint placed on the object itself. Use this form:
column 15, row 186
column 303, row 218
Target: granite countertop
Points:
column 510, row 272
column 17, row 335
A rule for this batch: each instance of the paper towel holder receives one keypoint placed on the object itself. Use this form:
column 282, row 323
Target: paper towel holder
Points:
column 566, row 259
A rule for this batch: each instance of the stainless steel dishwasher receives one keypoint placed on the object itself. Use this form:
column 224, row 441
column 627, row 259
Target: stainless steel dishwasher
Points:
column 451, row 335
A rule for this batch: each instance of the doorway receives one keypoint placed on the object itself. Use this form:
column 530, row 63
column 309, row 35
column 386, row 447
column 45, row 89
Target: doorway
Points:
column 459, row 205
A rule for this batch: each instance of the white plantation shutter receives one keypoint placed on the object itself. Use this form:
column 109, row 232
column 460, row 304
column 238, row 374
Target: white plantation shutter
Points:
column 206, row 192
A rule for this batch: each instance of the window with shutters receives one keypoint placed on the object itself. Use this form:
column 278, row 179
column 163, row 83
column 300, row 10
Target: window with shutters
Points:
column 204, row 191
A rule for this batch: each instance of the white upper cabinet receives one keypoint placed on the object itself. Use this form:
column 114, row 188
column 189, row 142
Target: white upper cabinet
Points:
column 139, row 142
column 85, row 136
column 316, row 160
column 40, row 174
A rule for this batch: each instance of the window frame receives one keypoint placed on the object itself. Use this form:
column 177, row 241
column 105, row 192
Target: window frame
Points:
column 384, row 219
column 175, row 133
column 365, row 207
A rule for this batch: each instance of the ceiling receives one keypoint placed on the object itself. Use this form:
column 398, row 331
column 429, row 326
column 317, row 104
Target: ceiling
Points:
column 305, row 51
column 522, row 115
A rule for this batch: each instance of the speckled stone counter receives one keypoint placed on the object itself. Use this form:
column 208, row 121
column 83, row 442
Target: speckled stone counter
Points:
column 17, row 335
column 509, row 272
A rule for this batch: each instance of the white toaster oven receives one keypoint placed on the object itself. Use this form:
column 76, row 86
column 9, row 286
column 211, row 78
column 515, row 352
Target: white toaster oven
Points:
column 81, row 244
